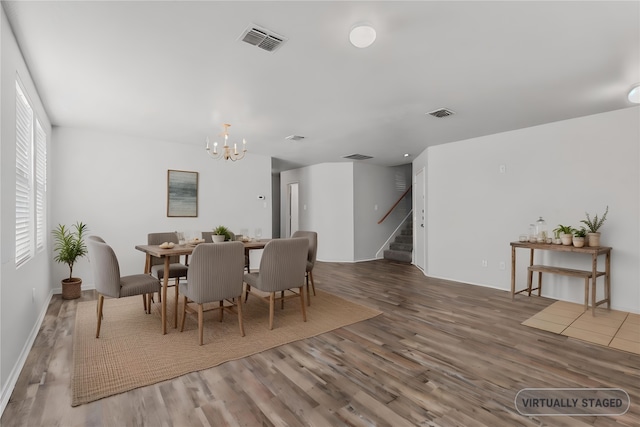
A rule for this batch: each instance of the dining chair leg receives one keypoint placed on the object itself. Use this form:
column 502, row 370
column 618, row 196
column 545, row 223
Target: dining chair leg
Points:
column 100, row 304
column 313, row 285
column 144, row 302
column 304, row 313
column 200, row 323
column 184, row 314
column 272, row 303
column 239, row 304
column 175, row 306
column 282, row 300
column 221, row 310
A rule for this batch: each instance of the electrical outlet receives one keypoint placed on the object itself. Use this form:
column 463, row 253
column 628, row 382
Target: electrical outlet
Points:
column 484, row 263
column 502, row 265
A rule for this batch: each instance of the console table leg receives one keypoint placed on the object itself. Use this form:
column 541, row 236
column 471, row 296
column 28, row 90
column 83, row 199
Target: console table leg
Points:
column 513, row 273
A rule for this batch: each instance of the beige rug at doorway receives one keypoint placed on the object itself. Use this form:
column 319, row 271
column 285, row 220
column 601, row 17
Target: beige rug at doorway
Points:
column 610, row 328
column 132, row 352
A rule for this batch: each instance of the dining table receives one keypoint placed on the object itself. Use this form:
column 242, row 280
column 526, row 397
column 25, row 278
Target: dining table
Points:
column 179, row 250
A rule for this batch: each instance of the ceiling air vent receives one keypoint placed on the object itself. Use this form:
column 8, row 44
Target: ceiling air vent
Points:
column 262, row 38
column 357, row 157
column 441, row 112
column 294, row 137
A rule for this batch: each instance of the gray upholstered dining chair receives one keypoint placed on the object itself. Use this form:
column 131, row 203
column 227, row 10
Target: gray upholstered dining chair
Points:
column 311, row 258
column 215, row 274
column 282, row 269
column 107, row 279
column 176, row 269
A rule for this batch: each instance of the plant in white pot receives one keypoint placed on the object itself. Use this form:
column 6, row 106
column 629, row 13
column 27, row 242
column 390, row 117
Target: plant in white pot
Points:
column 566, row 234
column 220, row 234
column 70, row 246
column 593, row 225
column 578, row 237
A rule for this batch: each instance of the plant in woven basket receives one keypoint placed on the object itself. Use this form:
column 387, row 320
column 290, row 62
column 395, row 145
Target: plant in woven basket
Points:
column 69, row 244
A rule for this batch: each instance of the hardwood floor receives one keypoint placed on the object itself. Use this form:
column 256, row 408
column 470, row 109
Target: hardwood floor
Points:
column 442, row 354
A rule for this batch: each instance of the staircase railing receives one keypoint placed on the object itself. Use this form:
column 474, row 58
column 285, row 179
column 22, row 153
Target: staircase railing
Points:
column 394, row 234
column 395, row 204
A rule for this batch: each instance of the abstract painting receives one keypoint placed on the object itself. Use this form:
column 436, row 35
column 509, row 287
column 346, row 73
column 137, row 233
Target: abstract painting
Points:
column 182, row 193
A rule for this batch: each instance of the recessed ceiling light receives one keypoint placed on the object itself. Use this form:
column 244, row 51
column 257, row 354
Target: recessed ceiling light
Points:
column 406, row 154
column 362, row 35
column 634, row 94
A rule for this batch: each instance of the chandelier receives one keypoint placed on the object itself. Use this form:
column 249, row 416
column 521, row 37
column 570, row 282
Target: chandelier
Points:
column 227, row 153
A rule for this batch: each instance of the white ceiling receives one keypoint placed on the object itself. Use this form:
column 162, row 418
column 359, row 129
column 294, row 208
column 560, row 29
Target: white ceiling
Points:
column 176, row 70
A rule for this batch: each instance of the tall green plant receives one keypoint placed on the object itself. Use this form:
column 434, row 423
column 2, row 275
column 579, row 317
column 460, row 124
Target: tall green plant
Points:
column 69, row 243
column 594, row 224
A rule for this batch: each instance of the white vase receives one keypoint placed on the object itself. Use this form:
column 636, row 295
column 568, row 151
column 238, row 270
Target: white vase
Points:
column 578, row 242
column 567, row 239
column 217, row 238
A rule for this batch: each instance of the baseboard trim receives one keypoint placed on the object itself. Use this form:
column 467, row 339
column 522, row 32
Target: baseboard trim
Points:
column 12, row 380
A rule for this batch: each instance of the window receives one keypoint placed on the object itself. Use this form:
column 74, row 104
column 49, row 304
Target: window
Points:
column 31, row 173
column 41, row 185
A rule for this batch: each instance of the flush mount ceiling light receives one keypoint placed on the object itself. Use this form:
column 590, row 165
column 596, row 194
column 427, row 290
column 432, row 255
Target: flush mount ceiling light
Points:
column 362, row 35
column 634, row 94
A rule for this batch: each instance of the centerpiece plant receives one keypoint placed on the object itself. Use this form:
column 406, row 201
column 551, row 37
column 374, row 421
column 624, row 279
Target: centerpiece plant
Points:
column 221, row 230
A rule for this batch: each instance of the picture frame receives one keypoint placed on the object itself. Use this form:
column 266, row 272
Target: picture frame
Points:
column 182, row 193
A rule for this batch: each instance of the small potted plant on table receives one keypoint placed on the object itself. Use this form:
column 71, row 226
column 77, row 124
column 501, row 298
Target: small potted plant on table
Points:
column 593, row 225
column 566, row 234
column 578, row 237
column 220, row 234
column 69, row 243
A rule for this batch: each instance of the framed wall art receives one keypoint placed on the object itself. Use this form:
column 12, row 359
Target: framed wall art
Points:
column 182, row 193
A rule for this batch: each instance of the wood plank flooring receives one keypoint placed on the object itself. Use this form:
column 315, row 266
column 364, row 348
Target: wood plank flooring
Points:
column 442, row 354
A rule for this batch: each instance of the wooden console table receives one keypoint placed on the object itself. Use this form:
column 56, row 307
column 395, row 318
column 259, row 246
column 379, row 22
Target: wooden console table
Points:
column 587, row 275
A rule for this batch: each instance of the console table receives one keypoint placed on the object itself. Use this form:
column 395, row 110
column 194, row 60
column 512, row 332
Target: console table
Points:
column 588, row 275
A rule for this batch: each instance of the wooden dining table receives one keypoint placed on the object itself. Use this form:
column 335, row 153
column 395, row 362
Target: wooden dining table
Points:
column 179, row 250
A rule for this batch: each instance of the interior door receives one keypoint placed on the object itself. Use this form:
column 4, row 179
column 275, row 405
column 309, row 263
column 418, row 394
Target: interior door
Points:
column 293, row 211
column 420, row 247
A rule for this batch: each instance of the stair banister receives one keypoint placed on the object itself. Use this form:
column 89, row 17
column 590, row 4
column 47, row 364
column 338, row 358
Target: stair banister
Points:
column 394, row 205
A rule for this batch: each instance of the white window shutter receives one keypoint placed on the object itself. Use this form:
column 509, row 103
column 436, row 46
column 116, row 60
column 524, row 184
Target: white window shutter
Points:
column 24, row 138
column 41, row 185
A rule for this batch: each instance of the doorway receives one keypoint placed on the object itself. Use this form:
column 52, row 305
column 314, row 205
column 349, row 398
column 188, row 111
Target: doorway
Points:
column 293, row 211
column 420, row 221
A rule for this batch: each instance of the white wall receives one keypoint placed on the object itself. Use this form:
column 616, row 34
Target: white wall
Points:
column 326, row 207
column 558, row 171
column 118, row 186
column 337, row 200
column 377, row 187
column 24, row 292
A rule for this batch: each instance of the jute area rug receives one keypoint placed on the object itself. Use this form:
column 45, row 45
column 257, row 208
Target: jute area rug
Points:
column 132, row 352
column 609, row 328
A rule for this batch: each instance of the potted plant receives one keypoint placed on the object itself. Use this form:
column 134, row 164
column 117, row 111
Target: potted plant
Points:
column 220, row 234
column 566, row 234
column 578, row 237
column 593, row 225
column 70, row 246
